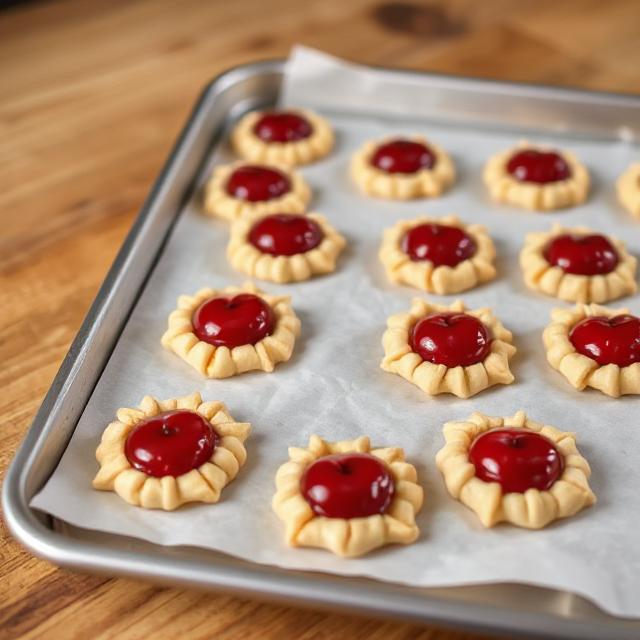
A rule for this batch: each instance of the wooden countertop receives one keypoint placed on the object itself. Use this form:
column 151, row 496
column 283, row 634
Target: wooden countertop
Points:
column 92, row 96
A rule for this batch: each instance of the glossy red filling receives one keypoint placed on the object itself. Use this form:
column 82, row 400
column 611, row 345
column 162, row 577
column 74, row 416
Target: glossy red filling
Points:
column 452, row 339
column 586, row 255
column 231, row 322
column 255, row 184
column 613, row 340
column 348, row 485
column 540, row 167
column 170, row 444
column 285, row 235
column 518, row 459
column 440, row 244
column 403, row 156
column 282, row 126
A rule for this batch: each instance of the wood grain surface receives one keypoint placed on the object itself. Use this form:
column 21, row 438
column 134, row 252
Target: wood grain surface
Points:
column 92, row 95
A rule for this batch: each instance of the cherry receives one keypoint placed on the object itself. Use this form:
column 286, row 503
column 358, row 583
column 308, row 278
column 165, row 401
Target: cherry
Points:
column 586, row 255
column 613, row 340
column 440, row 244
column 283, row 234
column 255, row 184
column 540, row 167
column 403, row 156
column 282, row 126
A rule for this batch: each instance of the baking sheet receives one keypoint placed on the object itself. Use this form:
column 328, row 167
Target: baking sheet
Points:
column 333, row 386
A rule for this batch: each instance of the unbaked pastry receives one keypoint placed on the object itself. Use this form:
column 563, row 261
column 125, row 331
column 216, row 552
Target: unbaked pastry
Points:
column 201, row 477
column 568, row 491
column 488, row 358
column 628, row 187
column 395, row 509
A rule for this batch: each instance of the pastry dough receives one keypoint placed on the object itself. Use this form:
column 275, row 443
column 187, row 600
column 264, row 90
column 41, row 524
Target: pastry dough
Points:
column 503, row 187
column 203, row 484
column 425, row 183
column 462, row 381
column 354, row 536
column 441, row 279
column 222, row 362
column 250, row 147
column 244, row 257
column 539, row 275
column 580, row 370
column 532, row 509
column 628, row 187
column 217, row 202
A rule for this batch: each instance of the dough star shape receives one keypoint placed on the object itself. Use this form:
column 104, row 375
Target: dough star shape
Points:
column 628, row 188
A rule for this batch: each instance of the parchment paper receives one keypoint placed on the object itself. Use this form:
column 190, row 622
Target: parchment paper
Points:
column 333, row 385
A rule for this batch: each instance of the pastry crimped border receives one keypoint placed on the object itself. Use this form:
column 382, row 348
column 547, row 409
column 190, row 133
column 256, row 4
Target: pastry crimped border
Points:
column 505, row 188
column 426, row 183
column 222, row 362
column 580, row 370
column 628, row 188
column 354, row 536
column 203, row 484
column 463, row 382
column 251, row 148
column 244, row 257
column 217, row 202
column 422, row 274
column 539, row 275
column 533, row 509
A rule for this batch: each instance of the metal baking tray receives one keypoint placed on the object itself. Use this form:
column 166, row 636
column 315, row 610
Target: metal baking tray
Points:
column 508, row 609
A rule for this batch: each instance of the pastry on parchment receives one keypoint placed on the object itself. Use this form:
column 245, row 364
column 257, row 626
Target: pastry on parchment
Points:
column 628, row 187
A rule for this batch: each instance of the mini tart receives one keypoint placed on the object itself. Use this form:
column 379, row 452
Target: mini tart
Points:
column 352, row 536
column 581, row 370
column 320, row 259
column 415, row 182
column 564, row 184
column 433, row 378
column 472, row 269
column 532, row 508
column 628, row 187
column 313, row 141
column 540, row 275
column 202, row 483
column 213, row 361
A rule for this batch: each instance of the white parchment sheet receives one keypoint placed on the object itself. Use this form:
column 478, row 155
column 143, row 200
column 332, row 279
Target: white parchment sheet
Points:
column 334, row 387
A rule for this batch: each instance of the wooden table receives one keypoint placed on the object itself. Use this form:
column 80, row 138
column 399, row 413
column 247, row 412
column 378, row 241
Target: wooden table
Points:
column 92, row 95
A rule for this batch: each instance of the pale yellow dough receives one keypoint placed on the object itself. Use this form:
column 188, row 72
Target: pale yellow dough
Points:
column 347, row 537
column 203, row 484
column 533, row 509
column 248, row 146
column 628, row 187
column 222, row 362
column 539, row 275
column 580, row 370
column 464, row 382
column 217, row 202
column 422, row 274
column 244, row 257
column 504, row 188
column 426, row 183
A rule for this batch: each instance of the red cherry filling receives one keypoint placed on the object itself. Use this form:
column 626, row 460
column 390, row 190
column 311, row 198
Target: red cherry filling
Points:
column 347, row 485
column 608, row 340
column 587, row 255
column 540, row 167
column 518, row 459
column 440, row 244
column 255, row 183
column 231, row 322
column 452, row 339
column 282, row 126
column 285, row 235
column 170, row 444
column 403, row 156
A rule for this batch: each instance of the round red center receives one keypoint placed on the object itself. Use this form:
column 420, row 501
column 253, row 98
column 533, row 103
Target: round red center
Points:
column 518, row 459
column 255, row 183
column 583, row 255
column 403, row 156
column 540, row 167
column 282, row 126
column 285, row 235
column 440, row 244
column 452, row 339
column 347, row 485
column 608, row 340
column 170, row 444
